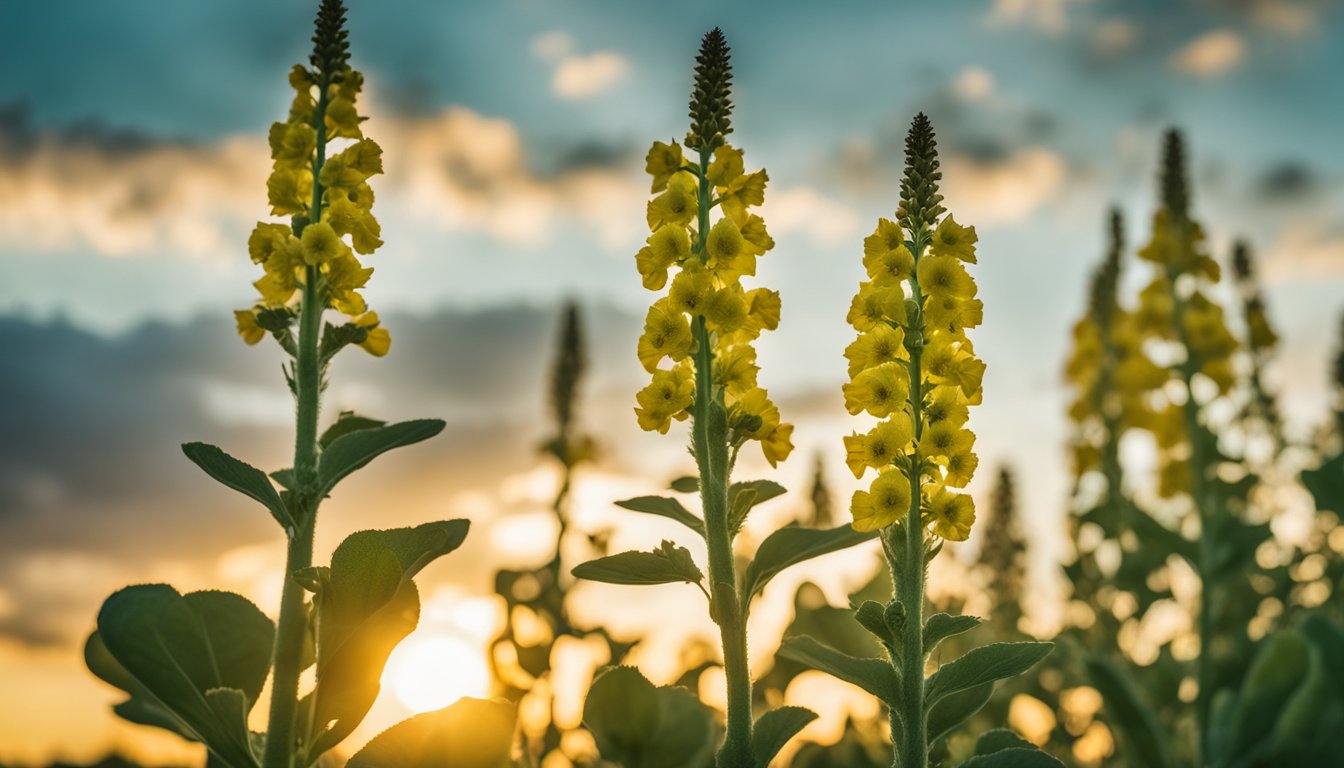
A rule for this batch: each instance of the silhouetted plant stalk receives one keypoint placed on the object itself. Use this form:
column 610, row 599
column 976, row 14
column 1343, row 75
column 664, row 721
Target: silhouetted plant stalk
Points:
column 704, row 328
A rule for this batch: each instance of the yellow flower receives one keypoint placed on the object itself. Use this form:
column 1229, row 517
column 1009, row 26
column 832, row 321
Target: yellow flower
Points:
column 880, row 447
column 342, row 119
column 289, row 191
column 763, row 310
column 726, row 309
column 292, row 144
column 666, row 334
column 952, row 314
column 352, row 166
column 670, row 245
column 662, row 161
column 725, row 167
column 690, row 291
column 944, row 276
column 886, row 501
column 952, row 514
column 952, row 239
column 876, row 305
column 753, row 231
column 755, row 402
column 268, row 241
column 677, row 205
column 665, row 398
column 378, row 341
column 347, row 217
column 960, row 468
column 344, row 276
column 885, row 256
column 777, row 445
column 744, row 191
column 943, row 439
column 946, row 405
column 247, row 326
column 735, row 369
column 729, row 257
column 882, row 344
column 321, row 244
column 881, row 391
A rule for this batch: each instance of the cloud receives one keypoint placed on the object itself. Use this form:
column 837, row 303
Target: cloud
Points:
column 1114, row 37
column 89, row 187
column 1293, row 19
column 992, row 189
column 552, row 46
column 973, row 83
column 1309, row 246
column 1049, row 16
column 1210, row 55
column 1287, row 181
column 582, row 77
column 805, row 211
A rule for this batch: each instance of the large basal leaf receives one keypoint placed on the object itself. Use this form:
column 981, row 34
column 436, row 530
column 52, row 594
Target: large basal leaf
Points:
column 639, row 726
column 353, row 450
column 669, row 564
column 470, row 733
column 792, row 545
column 241, row 477
column 872, row 675
column 366, row 604
column 774, row 729
column 1128, row 713
column 663, row 506
column 985, row 664
column 203, row 657
column 621, row 711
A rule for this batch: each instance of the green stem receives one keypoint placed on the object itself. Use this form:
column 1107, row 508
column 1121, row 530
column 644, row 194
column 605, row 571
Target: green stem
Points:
column 710, row 440
column 292, row 627
column 913, row 751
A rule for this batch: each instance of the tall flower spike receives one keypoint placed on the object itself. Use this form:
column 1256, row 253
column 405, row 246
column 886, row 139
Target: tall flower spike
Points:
column 711, row 105
column 1175, row 188
column 920, row 201
column 331, row 43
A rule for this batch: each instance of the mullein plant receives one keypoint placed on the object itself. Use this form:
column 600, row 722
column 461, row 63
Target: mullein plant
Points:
column 195, row 664
column 697, row 347
column 914, row 369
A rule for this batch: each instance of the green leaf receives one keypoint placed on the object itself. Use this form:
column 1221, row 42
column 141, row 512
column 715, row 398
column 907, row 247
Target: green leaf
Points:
column 669, row 564
column 791, row 545
column 353, row 450
column 774, row 729
column 621, row 711
column 346, row 423
column 954, row 709
column 743, row 496
column 941, row 626
column 201, row 657
column 872, row 675
column 241, row 477
column 871, row 615
column 470, row 733
column 1128, row 713
column 985, row 664
column 141, row 708
column 1014, row 758
column 685, row 735
column 686, row 484
column 366, row 604
column 998, row 739
column 664, row 507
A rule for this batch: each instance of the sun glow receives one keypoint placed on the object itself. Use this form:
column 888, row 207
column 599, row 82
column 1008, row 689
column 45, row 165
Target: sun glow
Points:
column 430, row 672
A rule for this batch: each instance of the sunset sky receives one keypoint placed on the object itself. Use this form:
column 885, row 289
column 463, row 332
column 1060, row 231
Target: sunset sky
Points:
column 133, row 162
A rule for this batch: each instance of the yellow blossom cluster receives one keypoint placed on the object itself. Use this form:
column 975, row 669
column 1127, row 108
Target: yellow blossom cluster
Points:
column 328, row 199
column 913, row 368
column 705, row 298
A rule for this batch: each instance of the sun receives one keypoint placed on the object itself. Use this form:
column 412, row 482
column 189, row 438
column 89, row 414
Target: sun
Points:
column 431, row 671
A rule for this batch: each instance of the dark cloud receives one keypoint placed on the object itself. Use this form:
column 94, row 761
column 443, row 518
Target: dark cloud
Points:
column 92, row 480
column 1286, row 181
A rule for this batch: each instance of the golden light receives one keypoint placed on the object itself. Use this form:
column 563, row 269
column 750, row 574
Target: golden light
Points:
column 431, row 671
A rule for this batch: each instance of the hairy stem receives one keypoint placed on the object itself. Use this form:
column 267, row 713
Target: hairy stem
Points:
column 710, row 440
column 281, row 739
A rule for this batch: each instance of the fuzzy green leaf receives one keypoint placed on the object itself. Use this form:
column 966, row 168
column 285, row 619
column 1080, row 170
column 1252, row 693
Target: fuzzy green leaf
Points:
column 669, row 564
column 1128, row 713
column 872, row 675
column 621, row 711
column 941, row 626
column 1015, row 757
column 686, row 484
column 470, row 733
column 202, row 656
column 998, row 739
column 685, row 735
column 353, row 450
column 774, row 729
column 791, row 545
column 346, row 423
column 954, row 709
column 241, row 477
column 664, row 507
column 985, row 664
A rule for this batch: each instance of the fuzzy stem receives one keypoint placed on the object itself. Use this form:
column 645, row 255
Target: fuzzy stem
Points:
column 913, row 752
column 281, row 739
column 710, row 441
